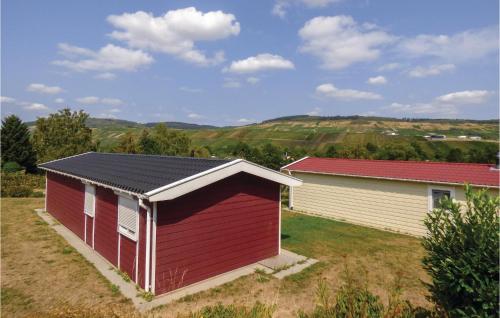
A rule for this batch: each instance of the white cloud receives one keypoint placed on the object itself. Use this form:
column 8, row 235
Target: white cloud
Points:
column 89, row 100
column 106, row 76
column 59, row 100
column 329, row 90
column 231, row 83
column 260, row 62
column 465, row 97
column 93, row 100
column 315, row 112
column 44, row 89
column 432, row 70
column 191, row 90
column 377, row 80
column 281, row 6
column 35, row 106
column 7, row 100
column 26, row 105
column 245, row 121
column 195, row 116
column 253, row 80
column 419, row 109
column 108, row 58
column 176, row 32
column 340, row 41
column 445, row 106
column 389, row 67
column 467, row 45
column 115, row 110
column 107, row 115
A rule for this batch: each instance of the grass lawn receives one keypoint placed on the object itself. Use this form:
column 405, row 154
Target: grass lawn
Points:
column 41, row 272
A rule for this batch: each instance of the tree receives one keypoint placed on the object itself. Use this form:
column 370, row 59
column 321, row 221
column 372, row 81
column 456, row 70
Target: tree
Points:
column 272, row 157
column 455, row 155
column 16, row 144
column 163, row 141
column 331, row 151
column 200, row 152
column 127, row 143
column 462, row 255
column 62, row 134
column 371, row 147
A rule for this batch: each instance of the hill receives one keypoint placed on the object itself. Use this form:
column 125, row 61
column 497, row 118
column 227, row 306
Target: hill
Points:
column 315, row 133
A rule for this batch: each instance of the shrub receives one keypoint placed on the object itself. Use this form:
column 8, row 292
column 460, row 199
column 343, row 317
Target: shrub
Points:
column 19, row 184
column 462, row 258
column 12, row 166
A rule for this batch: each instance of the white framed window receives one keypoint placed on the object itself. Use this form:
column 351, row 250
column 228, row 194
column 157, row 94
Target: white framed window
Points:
column 437, row 193
column 128, row 217
column 89, row 205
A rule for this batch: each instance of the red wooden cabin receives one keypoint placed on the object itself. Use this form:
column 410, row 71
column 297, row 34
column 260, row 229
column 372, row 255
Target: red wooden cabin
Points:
column 168, row 222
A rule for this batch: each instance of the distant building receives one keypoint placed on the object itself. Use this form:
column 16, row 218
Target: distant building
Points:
column 437, row 137
column 385, row 194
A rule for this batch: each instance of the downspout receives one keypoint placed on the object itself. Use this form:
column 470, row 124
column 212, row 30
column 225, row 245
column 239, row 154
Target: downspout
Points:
column 148, row 242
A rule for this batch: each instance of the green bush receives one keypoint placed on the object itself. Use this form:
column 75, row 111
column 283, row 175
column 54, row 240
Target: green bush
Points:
column 12, row 166
column 462, row 256
column 19, row 184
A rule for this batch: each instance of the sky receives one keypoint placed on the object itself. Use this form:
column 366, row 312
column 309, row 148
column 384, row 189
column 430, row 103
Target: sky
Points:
column 240, row 62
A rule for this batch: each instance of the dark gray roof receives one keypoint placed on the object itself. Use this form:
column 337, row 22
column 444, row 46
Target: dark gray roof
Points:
column 130, row 172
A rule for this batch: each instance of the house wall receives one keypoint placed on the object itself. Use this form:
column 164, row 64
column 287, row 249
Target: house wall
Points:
column 65, row 201
column 89, row 229
column 106, row 225
column 385, row 204
column 226, row 225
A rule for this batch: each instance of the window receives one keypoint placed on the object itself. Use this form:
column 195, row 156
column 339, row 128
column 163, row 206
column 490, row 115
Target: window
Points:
column 89, row 205
column 436, row 194
column 128, row 217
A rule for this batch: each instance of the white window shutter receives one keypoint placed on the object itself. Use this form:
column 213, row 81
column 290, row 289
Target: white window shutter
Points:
column 89, row 200
column 128, row 217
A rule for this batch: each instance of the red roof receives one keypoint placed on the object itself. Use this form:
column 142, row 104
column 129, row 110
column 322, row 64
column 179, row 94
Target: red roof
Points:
column 439, row 172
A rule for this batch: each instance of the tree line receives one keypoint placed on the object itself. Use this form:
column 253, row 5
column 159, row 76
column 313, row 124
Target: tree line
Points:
column 65, row 133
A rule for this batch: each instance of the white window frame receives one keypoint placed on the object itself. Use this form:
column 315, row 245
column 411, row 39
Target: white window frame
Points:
column 436, row 187
column 92, row 213
column 124, row 230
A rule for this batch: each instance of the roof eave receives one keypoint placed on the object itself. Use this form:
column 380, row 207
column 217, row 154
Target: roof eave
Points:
column 85, row 180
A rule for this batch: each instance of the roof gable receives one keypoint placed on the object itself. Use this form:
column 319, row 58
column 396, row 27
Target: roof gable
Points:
column 420, row 171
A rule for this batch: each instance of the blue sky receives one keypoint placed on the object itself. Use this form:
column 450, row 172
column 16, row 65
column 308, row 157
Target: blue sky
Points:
column 237, row 62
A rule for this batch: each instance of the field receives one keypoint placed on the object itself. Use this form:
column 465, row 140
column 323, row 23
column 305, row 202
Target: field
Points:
column 42, row 274
column 314, row 134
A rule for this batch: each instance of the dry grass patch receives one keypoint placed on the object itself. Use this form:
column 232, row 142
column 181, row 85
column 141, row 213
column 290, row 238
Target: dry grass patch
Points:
column 40, row 271
column 43, row 276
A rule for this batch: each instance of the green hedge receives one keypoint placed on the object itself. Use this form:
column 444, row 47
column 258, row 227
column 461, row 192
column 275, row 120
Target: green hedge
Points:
column 20, row 184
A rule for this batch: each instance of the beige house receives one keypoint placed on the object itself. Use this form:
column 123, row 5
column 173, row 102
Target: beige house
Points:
column 389, row 195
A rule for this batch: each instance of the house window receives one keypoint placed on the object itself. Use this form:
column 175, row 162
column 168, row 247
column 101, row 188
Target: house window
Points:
column 89, row 205
column 437, row 194
column 128, row 217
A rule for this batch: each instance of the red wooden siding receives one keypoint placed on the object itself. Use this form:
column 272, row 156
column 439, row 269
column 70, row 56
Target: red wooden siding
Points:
column 65, row 198
column 221, row 227
column 127, row 256
column 106, row 224
column 90, row 223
